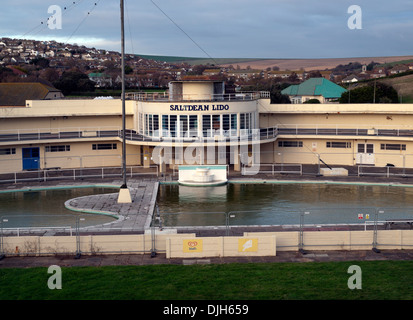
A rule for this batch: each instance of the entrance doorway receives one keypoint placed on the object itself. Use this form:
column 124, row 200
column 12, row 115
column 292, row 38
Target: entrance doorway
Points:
column 31, row 158
column 365, row 153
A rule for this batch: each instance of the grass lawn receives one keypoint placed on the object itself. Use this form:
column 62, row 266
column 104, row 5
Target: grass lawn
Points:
column 264, row 281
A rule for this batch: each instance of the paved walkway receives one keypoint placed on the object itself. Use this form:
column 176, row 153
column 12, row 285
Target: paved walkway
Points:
column 146, row 259
column 135, row 216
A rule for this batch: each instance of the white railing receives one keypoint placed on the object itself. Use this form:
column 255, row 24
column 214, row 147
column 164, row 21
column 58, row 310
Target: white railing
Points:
column 165, row 96
column 57, row 133
column 340, row 129
column 275, row 168
column 387, row 171
column 78, row 173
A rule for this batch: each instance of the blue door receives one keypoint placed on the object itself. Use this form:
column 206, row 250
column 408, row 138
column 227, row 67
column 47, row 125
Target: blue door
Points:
column 31, row 158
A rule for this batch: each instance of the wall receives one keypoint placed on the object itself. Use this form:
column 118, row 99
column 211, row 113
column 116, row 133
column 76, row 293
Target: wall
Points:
column 317, row 145
column 37, row 245
column 190, row 173
column 177, row 245
column 198, row 90
column 185, row 247
column 81, row 155
column 341, row 240
column 68, row 107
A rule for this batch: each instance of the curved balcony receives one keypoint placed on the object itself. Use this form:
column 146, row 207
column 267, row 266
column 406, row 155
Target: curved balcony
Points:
column 165, row 96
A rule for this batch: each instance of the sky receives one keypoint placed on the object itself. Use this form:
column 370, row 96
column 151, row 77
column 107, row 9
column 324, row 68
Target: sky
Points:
column 273, row 29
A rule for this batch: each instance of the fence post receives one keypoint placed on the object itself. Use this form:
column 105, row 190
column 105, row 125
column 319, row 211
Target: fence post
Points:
column 2, row 253
column 376, row 214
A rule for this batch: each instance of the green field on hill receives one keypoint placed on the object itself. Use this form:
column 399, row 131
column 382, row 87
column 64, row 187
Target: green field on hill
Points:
column 195, row 61
column 380, row 280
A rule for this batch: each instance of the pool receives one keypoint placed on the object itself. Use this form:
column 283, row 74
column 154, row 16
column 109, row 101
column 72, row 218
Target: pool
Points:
column 45, row 208
column 282, row 204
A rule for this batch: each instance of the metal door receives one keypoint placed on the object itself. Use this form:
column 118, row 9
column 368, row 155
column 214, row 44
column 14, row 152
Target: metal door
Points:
column 31, row 158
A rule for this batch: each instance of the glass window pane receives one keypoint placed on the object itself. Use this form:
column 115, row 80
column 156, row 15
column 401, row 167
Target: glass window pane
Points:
column 193, row 126
column 173, row 125
column 370, row 148
column 206, row 125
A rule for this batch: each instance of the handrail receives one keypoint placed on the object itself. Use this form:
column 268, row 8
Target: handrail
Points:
column 75, row 173
column 165, row 96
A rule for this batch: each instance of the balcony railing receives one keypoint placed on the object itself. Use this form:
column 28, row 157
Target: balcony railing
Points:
column 165, row 96
column 263, row 133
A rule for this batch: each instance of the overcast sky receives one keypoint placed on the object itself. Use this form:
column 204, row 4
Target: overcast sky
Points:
column 222, row 29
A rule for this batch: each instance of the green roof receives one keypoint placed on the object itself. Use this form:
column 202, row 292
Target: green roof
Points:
column 315, row 87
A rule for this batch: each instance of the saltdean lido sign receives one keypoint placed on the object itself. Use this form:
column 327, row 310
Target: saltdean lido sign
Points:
column 199, row 107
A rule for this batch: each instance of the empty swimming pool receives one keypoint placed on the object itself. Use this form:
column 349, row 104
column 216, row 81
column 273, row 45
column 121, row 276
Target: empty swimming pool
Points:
column 282, row 204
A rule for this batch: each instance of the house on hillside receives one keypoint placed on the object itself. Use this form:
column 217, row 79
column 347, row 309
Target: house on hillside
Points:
column 315, row 88
column 15, row 94
column 399, row 69
column 351, row 79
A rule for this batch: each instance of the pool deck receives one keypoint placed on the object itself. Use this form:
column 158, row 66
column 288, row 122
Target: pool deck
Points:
column 134, row 216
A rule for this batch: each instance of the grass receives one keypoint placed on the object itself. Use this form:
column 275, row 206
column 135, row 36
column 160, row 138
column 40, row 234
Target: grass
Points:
column 381, row 280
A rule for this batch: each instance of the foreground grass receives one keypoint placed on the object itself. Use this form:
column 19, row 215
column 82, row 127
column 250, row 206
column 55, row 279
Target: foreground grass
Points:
column 280, row 281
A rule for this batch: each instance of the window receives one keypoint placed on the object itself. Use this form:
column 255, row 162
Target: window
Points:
column 104, row 146
column 183, row 121
column 165, row 126
column 7, row 151
column 173, row 125
column 193, row 125
column 206, row 125
column 62, row 148
column 390, row 146
column 335, row 144
column 290, row 144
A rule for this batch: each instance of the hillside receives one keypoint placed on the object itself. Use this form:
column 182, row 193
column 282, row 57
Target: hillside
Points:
column 196, row 61
column 283, row 64
column 403, row 86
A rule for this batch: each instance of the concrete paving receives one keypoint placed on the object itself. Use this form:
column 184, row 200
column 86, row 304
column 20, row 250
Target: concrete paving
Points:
column 134, row 216
column 160, row 258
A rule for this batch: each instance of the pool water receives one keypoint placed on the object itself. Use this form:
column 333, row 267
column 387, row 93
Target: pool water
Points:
column 45, row 208
column 282, row 204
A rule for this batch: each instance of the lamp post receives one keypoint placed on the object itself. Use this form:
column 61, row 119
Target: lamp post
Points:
column 124, row 194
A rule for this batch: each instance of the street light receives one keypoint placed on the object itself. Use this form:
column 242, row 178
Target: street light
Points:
column 124, row 194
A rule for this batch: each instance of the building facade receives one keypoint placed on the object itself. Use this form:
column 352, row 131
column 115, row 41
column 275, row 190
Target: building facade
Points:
column 196, row 122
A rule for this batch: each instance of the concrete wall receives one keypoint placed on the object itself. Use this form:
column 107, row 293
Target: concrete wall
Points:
column 185, row 247
column 341, row 240
column 68, row 107
column 317, row 145
column 117, row 244
column 190, row 246
column 81, row 155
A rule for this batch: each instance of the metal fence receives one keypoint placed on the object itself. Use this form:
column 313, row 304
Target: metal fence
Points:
column 228, row 223
column 232, row 223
